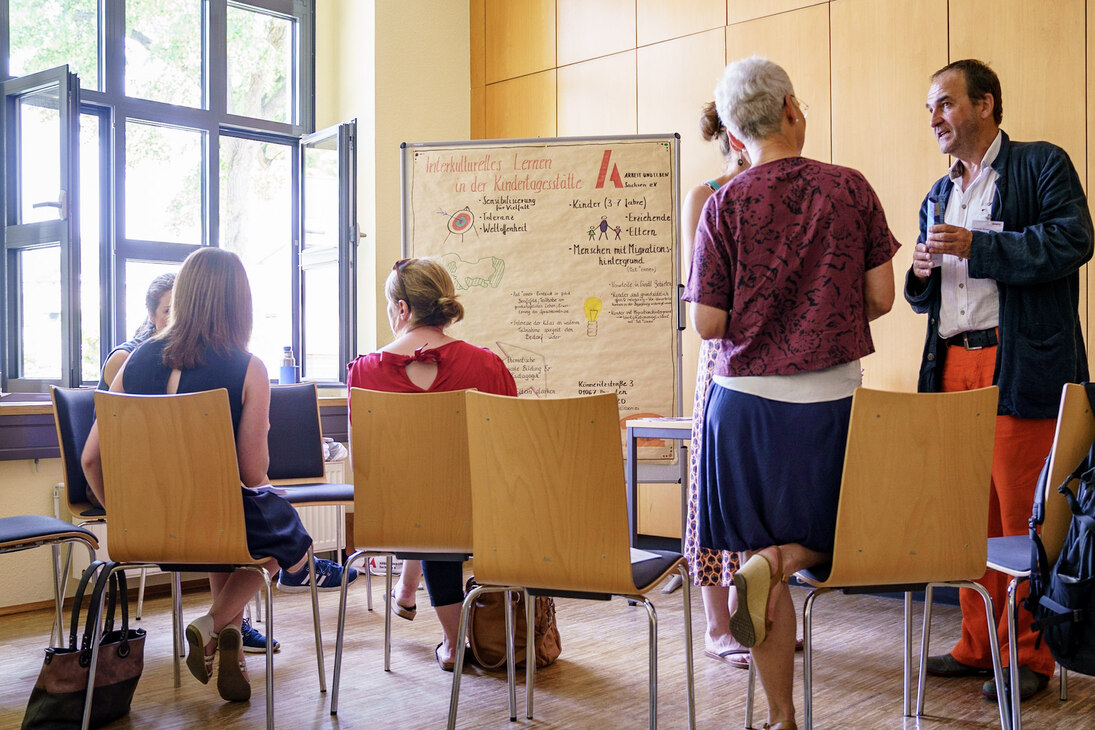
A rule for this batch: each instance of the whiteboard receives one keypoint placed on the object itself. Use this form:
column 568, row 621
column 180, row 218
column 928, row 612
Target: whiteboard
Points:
column 564, row 252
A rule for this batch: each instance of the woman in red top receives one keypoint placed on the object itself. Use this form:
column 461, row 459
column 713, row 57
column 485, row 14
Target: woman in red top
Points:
column 421, row 359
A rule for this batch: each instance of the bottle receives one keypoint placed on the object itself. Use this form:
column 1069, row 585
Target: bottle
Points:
column 289, row 372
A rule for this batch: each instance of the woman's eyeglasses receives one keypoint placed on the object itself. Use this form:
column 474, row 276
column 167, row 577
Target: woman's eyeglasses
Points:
column 398, row 269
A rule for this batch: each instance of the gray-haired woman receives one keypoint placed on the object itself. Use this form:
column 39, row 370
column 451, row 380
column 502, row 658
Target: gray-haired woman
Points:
column 791, row 260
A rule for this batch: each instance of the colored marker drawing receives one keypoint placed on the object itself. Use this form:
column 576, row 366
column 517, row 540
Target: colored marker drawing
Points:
column 485, row 272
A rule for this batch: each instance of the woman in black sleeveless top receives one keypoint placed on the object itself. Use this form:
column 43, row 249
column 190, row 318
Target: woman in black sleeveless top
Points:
column 204, row 348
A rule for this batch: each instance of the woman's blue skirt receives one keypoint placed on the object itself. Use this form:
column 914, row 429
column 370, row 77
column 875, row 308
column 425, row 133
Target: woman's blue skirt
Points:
column 770, row 471
column 274, row 529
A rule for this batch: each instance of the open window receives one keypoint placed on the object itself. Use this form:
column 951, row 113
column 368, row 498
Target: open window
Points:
column 327, row 250
column 41, row 252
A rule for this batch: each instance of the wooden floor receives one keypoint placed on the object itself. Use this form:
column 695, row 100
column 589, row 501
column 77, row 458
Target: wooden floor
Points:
column 599, row 681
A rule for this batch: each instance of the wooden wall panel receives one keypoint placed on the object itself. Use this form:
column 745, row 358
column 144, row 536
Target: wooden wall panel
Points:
column 598, row 96
column 660, row 20
column 799, row 42
column 521, row 107
column 738, row 11
column 592, row 29
column 880, row 127
column 519, row 37
column 1037, row 50
column 675, row 78
column 477, row 20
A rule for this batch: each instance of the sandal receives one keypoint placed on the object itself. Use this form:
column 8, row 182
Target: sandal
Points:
column 199, row 634
column 233, row 683
column 750, row 623
column 407, row 612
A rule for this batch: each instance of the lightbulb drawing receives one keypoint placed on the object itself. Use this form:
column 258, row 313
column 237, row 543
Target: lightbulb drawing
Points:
column 592, row 309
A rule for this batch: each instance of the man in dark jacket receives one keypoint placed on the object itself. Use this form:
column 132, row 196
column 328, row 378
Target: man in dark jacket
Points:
column 996, row 269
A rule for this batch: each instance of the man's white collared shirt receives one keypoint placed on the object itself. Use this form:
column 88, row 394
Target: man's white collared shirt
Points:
column 969, row 304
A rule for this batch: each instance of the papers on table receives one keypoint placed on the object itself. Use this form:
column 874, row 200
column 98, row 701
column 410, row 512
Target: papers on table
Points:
column 639, row 556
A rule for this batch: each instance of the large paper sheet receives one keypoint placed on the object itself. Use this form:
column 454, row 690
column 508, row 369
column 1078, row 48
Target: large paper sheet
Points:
column 564, row 255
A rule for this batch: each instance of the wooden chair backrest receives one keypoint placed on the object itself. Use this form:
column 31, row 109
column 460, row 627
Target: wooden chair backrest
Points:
column 410, row 462
column 171, row 478
column 73, row 414
column 1071, row 442
column 295, row 437
column 548, row 494
column 915, row 491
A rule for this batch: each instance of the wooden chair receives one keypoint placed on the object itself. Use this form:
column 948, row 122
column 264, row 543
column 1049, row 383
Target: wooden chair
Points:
column 24, row 532
column 412, row 497
column 73, row 414
column 549, row 517
column 173, row 492
column 913, row 508
column 1011, row 555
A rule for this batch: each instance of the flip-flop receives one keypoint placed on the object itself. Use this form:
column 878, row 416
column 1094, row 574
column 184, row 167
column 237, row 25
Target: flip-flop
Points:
column 738, row 658
column 407, row 612
column 445, row 666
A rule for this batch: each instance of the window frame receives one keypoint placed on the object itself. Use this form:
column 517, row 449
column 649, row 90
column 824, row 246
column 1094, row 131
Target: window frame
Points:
column 213, row 120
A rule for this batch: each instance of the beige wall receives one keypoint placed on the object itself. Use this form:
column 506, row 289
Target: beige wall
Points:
column 403, row 70
column 863, row 66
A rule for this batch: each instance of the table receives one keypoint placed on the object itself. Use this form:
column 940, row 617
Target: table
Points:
column 678, row 429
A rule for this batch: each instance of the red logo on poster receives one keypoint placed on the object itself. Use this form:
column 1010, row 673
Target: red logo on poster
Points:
column 614, row 177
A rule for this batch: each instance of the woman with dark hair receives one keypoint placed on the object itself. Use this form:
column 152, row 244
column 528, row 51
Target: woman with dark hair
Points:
column 791, row 262
column 157, row 300
column 421, row 359
column 205, row 348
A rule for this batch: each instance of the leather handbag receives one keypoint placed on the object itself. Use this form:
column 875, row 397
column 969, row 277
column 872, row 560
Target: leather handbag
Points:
column 57, row 700
column 487, row 629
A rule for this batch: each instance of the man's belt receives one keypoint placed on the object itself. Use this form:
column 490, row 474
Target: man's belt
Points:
column 974, row 340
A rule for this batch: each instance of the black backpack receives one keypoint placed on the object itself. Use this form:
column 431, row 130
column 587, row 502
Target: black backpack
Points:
column 1062, row 596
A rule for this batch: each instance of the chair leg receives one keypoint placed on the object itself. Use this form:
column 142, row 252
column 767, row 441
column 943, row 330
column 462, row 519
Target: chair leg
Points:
column 177, row 640
column 530, row 651
column 96, row 639
column 342, row 627
column 140, row 592
column 751, row 687
column 368, row 587
column 1013, row 653
column 690, row 677
column 808, row 656
column 462, row 630
column 652, row 641
column 907, row 663
column 1062, row 684
column 387, row 611
column 58, row 594
column 268, row 593
column 925, row 638
column 315, row 622
column 511, row 658
column 994, row 647
column 258, row 607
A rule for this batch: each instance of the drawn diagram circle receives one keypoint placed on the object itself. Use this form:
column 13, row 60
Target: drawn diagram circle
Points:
column 461, row 221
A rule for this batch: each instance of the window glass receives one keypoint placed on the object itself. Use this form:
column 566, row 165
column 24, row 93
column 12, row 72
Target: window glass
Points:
column 89, row 246
column 321, row 315
column 163, row 50
column 256, row 189
column 40, row 311
column 260, row 65
column 138, row 275
column 163, row 183
column 48, row 33
column 39, row 156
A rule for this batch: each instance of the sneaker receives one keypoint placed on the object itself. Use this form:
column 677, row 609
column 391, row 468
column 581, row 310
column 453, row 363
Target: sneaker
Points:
column 253, row 641
column 328, row 578
column 945, row 665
